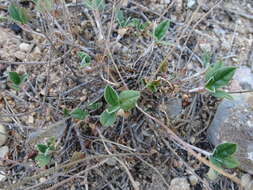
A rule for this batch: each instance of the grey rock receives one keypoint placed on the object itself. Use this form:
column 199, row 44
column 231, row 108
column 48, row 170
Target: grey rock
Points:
column 233, row 122
column 173, row 107
column 179, row 183
column 243, row 78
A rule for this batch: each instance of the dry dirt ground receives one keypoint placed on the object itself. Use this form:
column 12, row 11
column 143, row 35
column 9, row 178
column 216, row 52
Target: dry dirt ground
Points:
column 147, row 158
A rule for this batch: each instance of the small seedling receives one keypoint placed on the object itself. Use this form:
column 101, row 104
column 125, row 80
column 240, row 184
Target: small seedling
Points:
column 17, row 79
column 94, row 106
column 218, row 76
column 76, row 114
column 130, row 22
column 161, row 30
column 85, row 59
column 223, row 156
column 126, row 100
column 44, row 156
column 94, row 4
column 18, row 14
column 153, row 85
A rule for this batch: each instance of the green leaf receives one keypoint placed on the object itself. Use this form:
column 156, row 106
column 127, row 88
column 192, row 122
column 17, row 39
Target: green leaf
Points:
column 85, row 58
column 79, row 114
column 42, row 148
column 66, row 112
column 213, row 69
column 18, row 13
column 95, row 106
column 224, row 150
column 220, row 78
column 153, row 85
column 107, row 119
column 128, row 99
column 15, row 78
column 161, row 30
column 42, row 160
column 222, row 94
column 215, row 161
column 230, row 162
column 113, row 109
column 111, row 96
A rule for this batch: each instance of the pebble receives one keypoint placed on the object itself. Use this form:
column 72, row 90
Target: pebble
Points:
column 3, row 135
column 20, row 55
column 24, row 47
column 2, row 176
column 191, row 4
column 3, row 152
column 111, row 162
column 193, row 179
column 179, row 183
column 247, row 182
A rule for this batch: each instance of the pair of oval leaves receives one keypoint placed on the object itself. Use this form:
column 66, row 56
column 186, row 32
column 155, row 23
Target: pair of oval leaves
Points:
column 126, row 100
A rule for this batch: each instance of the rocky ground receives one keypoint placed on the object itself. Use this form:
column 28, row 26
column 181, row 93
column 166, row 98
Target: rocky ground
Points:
column 136, row 152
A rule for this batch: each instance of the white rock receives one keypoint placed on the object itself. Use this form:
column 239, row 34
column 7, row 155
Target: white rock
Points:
column 3, row 135
column 191, row 4
column 2, row 176
column 193, row 179
column 25, row 47
column 179, row 183
column 3, row 152
column 166, row 1
column 37, row 51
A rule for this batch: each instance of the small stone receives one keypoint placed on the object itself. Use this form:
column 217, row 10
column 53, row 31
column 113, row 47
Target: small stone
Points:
column 173, row 107
column 3, row 152
column 42, row 180
column 245, row 180
column 193, row 179
column 179, row 183
column 166, row 1
column 2, row 176
column 36, row 51
column 25, row 47
column 20, row 55
column 3, row 135
column 111, row 162
column 191, row 4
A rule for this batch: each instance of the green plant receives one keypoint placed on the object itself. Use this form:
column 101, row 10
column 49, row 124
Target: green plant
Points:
column 85, row 58
column 129, row 22
column 17, row 79
column 218, row 76
column 94, row 4
column 76, row 114
column 18, row 13
column 126, row 100
column 223, row 155
column 161, row 30
column 153, row 85
column 44, row 156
